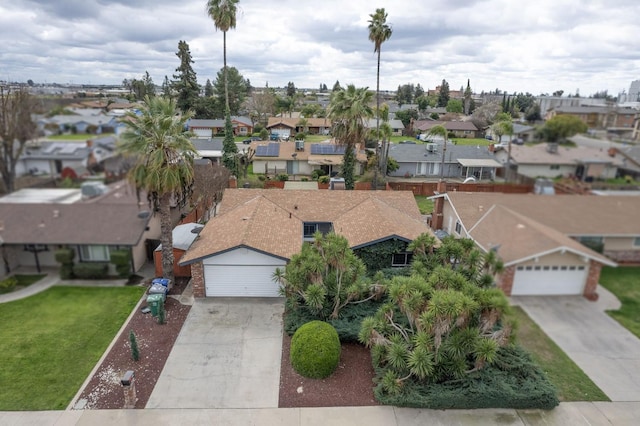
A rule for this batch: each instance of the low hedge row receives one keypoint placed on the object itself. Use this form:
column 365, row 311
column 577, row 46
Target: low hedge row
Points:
column 513, row 381
column 91, row 271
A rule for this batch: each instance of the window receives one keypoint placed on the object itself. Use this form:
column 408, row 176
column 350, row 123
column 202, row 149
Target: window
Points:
column 458, row 227
column 94, row 253
column 554, row 167
column 401, row 259
column 636, row 242
column 310, row 229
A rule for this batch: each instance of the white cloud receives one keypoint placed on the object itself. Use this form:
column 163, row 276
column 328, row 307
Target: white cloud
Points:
column 539, row 46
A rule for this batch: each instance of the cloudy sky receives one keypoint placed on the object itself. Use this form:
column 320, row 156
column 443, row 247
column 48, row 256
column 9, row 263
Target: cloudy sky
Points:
column 515, row 45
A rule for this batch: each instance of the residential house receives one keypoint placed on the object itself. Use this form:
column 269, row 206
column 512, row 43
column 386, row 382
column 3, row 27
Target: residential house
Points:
column 210, row 148
column 301, row 158
column 289, row 126
column 550, row 244
column 66, row 158
column 93, row 221
column 461, row 129
column 553, row 160
column 397, row 128
column 630, row 156
column 257, row 231
column 208, row 128
column 521, row 134
column 616, row 120
column 460, row 161
column 75, row 123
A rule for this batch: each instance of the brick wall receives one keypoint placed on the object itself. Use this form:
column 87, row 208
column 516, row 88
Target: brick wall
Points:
column 593, row 278
column 197, row 279
column 505, row 280
column 623, row 256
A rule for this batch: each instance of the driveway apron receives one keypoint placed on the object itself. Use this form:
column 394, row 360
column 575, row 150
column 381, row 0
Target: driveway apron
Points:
column 607, row 352
column 227, row 355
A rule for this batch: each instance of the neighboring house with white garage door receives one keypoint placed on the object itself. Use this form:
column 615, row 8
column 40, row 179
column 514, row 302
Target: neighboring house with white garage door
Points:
column 257, row 231
column 545, row 240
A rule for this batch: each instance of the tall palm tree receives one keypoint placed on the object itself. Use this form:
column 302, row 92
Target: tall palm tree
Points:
column 440, row 130
column 349, row 111
column 223, row 14
column 159, row 144
column 379, row 32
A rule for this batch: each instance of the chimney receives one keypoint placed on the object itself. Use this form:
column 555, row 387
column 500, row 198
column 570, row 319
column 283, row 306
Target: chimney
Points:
column 612, row 152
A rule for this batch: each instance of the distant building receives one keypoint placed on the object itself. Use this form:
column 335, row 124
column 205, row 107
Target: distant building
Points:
column 634, row 91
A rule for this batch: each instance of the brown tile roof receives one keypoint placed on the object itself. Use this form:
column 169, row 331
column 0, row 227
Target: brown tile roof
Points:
column 571, row 215
column 538, row 154
column 109, row 219
column 426, row 125
column 521, row 238
column 271, row 221
column 293, row 122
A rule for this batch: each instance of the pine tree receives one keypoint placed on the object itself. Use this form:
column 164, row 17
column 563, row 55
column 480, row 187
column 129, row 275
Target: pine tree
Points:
column 166, row 87
column 208, row 89
column 185, row 82
column 229, row 148
column 135, row 352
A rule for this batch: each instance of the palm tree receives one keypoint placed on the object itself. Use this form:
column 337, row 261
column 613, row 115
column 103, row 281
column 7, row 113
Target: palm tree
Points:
column 440, row 130
column 163, row 168
column 349, row 111
column 379, row 32
column 223, row 14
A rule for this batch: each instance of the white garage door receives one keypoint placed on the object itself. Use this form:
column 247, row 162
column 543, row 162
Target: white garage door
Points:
column 202, row 133
column 241, row 272
column 549, row 280
column 240, row 281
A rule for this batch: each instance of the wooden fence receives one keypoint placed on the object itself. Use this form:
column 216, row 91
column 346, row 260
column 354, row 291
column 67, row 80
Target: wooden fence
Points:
column 429, row 188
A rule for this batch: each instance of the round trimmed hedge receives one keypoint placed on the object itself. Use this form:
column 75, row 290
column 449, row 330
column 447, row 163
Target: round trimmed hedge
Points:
column 315, row 350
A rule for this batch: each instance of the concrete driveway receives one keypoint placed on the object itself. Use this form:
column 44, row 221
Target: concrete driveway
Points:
column 607, row 352
column 227, row 356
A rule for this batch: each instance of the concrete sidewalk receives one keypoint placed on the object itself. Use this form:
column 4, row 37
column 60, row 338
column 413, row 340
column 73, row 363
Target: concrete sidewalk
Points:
column 51, row 279
column 570, row 413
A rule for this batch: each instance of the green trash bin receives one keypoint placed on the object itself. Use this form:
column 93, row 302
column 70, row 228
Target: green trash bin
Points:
column 154, row 301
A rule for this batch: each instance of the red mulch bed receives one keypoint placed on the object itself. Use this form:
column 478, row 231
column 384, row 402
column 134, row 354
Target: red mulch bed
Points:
column 155, row 342
column 349, row 386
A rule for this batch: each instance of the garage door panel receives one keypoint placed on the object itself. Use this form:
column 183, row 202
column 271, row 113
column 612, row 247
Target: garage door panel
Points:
column 556, row 281
column 240, row 281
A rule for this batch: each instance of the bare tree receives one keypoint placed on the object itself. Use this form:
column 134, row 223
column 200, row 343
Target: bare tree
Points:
column 16, row 128
column 210, row 181
column 263, row 104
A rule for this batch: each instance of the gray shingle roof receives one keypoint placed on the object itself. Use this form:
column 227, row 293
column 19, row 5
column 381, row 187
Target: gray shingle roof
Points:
column 410, row 153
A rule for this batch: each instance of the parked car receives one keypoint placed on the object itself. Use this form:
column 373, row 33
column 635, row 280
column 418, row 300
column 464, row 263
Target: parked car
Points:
column 488, row 137
column 274, row 137
column 251, row 139
column 518, row 141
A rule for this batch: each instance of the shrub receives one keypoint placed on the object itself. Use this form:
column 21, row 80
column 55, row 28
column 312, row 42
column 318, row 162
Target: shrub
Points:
column 513, row 381
column 8, row 284
column 91, row 271
column 315, row 350
column 122, row 260
column 135, row 352
column 64, row 255
column 282, row 177
column 315, row 175
column 264, row 134
column 323, row 179
column 66, row 271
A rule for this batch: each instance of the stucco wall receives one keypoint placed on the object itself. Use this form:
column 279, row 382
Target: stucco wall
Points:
column 533, row 171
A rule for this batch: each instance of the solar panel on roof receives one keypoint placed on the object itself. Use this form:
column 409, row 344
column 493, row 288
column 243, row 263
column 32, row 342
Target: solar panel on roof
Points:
column 327, row 149
column 271, row 150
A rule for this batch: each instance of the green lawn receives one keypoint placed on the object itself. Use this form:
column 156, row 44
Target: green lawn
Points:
column 472, row 141
column 624, row 282
column 569, row 379
column 425, row 205
column 51, row 341
column 77, row 137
